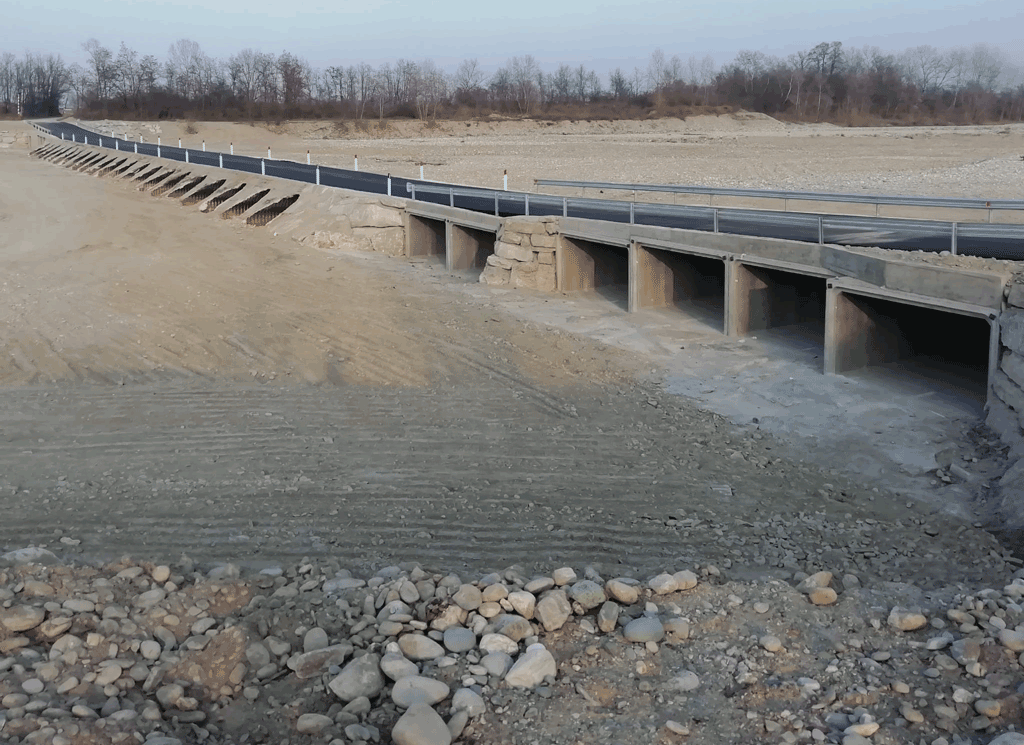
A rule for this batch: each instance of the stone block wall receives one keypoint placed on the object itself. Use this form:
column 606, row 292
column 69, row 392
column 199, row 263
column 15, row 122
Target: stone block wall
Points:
column 9, row 139
column 524, row 254
column 1006, row 406
column 360, row 223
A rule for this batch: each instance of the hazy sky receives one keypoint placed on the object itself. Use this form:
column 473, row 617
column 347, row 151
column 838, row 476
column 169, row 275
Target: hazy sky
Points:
column 598, row 33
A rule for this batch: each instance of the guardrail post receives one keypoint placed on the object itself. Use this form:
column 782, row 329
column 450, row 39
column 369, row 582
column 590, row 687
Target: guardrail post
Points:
column 389, row 184
column 495, row 204
column 318, row 175
column 263, row 167
column 821, row 230
column 565, row 207
column 526, row 198
column 451, row 197
column 953, row 243
column 421, row 173
column 715, row 212
column 412, row 188
column 632, row 213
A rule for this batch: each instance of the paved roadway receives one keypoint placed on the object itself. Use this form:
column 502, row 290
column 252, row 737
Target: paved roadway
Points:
column 973, row 239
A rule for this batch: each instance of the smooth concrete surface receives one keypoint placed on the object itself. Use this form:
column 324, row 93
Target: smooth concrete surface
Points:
column 467, row 248
column 767, row 294
column 424, row 237
column 661, row 278
column 917, row 277
column 587, row 265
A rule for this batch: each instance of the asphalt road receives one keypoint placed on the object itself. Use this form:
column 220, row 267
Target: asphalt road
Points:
column 972, row 239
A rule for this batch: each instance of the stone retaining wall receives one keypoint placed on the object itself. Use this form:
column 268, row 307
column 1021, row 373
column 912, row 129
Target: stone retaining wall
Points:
column 524, row 254
column 9, row 139
column 360, row 223
column 1006, row 405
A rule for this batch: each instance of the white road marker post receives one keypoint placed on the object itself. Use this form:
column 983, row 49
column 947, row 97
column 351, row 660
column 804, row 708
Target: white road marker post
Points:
column 220, row 157
column 179, row 142
column 356, row 167
column 307, row 157
column 318, row 175
column 506, row 179
column 204, row 146
column 389, row 184
column 232, row 146
column 186, row 155
column 268, row 152
column 136, row 148
column 263, row 167
column 421, row 173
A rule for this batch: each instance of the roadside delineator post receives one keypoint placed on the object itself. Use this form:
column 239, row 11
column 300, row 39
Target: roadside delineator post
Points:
column 506, row 180
column 356, row 166
column 136, row 148
column 117, row 145
column 232, row 146
column 204, row 146
column 220, row 158
column 421, row 173
column 952, row 247
column 186, row 156
column 263, row 167
column 389, row 184
column 307, row 157
column 268, row 152
column 179, row 142
column 318, row 175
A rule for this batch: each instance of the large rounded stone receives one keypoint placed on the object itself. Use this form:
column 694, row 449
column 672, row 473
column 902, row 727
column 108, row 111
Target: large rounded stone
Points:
column 468, row 597
column 587, row 593
column 906, row 620
column 361, row 677
column 644, row 629
column 421, row 725
column 313, row 724
column 420, row 647
column 553, row 610
column 458, row 639
column 21, row 617
column 417, row 689
column 624, row 592
column 530, row 670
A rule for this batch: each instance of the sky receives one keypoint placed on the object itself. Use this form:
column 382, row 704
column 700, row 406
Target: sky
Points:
column 600, row 34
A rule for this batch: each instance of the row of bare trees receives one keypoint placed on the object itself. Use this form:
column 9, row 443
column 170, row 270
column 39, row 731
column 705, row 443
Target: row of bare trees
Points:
column 826, row 82
column 34, row 85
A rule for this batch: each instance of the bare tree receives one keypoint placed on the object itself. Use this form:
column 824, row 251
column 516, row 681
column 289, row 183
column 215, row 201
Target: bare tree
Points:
column 523, row 72
column 100, row 67
column 469, row 78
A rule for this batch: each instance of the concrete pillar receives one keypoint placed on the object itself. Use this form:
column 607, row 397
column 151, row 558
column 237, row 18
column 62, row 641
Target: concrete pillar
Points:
column 855, row 335
column 424, row 237
column 651, row 279
column 747, row 300
column 466, row 249
column 575, row 267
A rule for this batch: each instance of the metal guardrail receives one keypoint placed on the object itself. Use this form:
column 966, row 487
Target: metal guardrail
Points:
column 808, row 196
column 998, row 241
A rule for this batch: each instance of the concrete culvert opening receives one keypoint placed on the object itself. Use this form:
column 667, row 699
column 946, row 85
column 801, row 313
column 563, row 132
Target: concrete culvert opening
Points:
column 245, row 205
column 189, row 186
column 267, row 214
column 603, row 268
column 911, row 348
column 780, row 306
column 218, row 200
column 469, row 249
column 169, row 184
column 201, row 194
column 426, row 238
column 691, row 284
